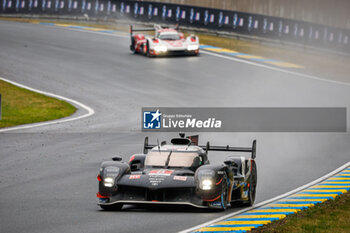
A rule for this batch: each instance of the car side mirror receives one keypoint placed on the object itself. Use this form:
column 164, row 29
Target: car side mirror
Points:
column 117, row 158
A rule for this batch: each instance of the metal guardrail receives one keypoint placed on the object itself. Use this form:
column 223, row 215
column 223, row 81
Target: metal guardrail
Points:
column 262, row 26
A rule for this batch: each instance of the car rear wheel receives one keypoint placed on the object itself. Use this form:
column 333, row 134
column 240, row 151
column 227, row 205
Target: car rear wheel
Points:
column 252, row 185
column 132, row 46
column 147, row 51
column 224, row 193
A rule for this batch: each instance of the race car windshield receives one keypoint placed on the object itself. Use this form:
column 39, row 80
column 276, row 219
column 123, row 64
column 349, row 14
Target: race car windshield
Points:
column 169, row 37
column 177, row 159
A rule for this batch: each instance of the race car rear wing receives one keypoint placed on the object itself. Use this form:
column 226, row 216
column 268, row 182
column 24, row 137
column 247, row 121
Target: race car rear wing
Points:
column 154, row 28
column 207, row 147
column 140, row 29
column 251, row 150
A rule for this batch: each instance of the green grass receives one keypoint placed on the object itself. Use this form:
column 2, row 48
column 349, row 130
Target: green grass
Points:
column 21, row 106
column 332, row 216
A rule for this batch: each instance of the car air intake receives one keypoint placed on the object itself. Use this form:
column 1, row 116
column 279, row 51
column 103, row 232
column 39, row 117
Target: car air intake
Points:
column 181, row 141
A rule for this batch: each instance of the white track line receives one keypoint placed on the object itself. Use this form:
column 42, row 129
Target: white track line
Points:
column 89, row 110
column 270, row 200
column 275, row 68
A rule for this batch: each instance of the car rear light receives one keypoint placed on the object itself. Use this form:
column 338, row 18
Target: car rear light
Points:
column 101, row 196
column 99, row 178
column 193, row 39
column 155, row 41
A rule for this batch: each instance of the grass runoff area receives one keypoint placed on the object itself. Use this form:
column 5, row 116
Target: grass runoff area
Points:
column 332, row 216
column 21, row 106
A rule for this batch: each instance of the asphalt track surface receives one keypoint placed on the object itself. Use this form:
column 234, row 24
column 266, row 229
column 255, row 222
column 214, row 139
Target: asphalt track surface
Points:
column 48, row 174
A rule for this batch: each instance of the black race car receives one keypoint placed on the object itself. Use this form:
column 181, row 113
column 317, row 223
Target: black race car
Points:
column 179, row 173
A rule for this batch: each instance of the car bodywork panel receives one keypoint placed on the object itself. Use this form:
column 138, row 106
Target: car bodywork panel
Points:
column 166, row 41
column 196, row 183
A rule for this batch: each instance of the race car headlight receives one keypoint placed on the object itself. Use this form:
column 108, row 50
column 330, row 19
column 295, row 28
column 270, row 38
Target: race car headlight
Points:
column 205, row 184
column 108, row 181
column 205, row 179
column 192, row 47
column 160, row 48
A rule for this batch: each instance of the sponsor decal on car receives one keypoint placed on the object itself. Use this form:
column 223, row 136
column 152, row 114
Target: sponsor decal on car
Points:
column 215, row 203
column 175, row 43
column 134, row 177
column 161, row 172
column 181, row 178
column 156, row 180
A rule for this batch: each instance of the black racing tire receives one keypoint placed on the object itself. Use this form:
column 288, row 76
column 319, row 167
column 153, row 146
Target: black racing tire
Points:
column 252, row 188
column 224, row 193
column 132, row 46
column 112, row 207
column 147, row 51
column 142, row 49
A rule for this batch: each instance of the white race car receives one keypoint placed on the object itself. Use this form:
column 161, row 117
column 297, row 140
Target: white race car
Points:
column 166, row 41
